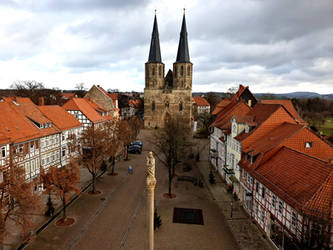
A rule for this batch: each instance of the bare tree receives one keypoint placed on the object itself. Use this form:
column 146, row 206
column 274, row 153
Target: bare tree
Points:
column 18, row 201
column 80, row 86
column 172, row 143
column 63, row 181
column 117, row 136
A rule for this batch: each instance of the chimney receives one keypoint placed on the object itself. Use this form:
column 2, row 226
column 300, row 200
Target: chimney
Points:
column 330, row 161
column 41, row 101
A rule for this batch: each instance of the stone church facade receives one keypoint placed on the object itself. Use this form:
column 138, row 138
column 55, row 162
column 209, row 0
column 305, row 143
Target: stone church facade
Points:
column 168, row 96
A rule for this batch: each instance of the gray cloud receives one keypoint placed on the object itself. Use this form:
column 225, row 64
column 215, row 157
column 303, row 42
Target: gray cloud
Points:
column 276, row 42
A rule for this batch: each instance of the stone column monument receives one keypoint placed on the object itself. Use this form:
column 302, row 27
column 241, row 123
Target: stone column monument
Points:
column 150, row 184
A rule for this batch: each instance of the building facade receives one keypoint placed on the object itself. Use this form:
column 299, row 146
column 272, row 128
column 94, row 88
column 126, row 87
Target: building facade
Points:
column 171, row 95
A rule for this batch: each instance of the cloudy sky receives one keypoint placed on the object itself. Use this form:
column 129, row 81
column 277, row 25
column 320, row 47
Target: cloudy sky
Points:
column 274, row 46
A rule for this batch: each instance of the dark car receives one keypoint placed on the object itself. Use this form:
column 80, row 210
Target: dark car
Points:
column 134, row 149
column 139, row 143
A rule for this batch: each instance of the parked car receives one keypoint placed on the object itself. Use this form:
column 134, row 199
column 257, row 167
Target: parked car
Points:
column 139, row 143
column 134, row 149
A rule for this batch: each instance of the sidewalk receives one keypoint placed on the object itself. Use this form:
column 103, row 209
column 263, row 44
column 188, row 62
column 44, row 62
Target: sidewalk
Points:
column 247, row 235
column 40, row 220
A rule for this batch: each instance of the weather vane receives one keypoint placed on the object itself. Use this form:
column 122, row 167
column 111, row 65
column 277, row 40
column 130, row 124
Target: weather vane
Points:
column 184, row 10
column 155, row 11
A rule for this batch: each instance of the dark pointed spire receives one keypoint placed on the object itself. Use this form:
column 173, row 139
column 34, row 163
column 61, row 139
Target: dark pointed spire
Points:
column 155, row 52
column 183, row 55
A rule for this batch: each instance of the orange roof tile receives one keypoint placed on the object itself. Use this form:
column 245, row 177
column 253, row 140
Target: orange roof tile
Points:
column 273, row 138
column 220, row 106
column 223, row 119
column 15, row 126
column 200, row 101
column 95, row 105
column 82, row 105
column 60, row 117
column 68, row 95
column 298, row 179
column 288, row 105
column 27, row 108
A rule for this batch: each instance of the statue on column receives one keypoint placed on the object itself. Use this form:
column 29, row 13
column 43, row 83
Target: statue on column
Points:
column 150, row 165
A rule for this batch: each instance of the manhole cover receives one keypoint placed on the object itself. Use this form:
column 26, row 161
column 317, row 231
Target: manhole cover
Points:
column 187, row 216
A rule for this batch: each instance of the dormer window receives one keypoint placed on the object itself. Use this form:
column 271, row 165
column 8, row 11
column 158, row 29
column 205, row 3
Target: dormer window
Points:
column 308, row 144
column 3, row 152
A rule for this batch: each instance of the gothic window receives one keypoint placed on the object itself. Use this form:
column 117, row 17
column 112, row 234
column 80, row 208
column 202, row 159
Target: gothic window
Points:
column 181, row 106
column 153, row 71
column 153, row 106
column 181, row 70
column 167, row 104
column 188, row 70
column 176, row 71
column 160, row 71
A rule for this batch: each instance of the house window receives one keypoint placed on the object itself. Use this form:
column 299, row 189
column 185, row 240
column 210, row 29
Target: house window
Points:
column 263, row 192
column 262, row 215
column 244, row 174
column 63, row 152
column 248, row 179
column 273, row 201
column 293, row 219
column 153, row 106
column 3, row 152
column 280, row 207
column 257, row 187
column 308, row 144
column 21, row 148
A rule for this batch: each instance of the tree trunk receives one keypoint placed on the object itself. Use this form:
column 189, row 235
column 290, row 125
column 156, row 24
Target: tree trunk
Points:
column 173, row 170
column 170, row 181
column 93, row 182
column 113, row 164
column 126, row 153
column 64, row 208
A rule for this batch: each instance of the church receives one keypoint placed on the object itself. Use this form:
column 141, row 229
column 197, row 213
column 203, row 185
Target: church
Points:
column 168, row 96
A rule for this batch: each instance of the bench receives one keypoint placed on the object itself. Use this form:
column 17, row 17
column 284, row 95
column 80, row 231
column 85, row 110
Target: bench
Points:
column 188, row 178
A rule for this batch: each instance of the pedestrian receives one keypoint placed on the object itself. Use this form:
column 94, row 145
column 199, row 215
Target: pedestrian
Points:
column 130, row 169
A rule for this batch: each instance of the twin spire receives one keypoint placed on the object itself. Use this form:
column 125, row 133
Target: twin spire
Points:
column 183, row 54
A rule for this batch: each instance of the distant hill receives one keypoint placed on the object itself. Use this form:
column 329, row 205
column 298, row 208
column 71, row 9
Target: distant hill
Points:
column 298, row 95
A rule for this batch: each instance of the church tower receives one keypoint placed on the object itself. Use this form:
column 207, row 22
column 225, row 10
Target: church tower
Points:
column 182, row 68
column 170, row 96
column 154, row 68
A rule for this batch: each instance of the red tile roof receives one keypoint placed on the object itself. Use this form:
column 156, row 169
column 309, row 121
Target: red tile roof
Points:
column 67, row 95
column 267, row 117
column 27, row 108
column 200, row 101
column 15, row 126
column 83, row 105
column 273, row 138
column 222, row 121
column 220, row 106
column 302, row 181
column 60, row 117
column 288, row 105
